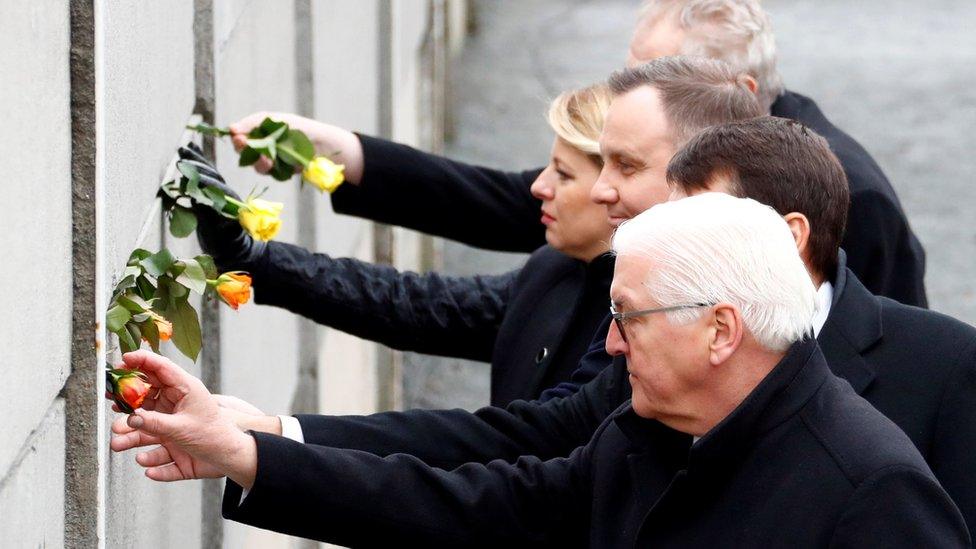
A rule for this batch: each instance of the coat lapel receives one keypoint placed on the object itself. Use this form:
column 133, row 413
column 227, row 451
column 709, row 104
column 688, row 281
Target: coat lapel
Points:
column 853, row 327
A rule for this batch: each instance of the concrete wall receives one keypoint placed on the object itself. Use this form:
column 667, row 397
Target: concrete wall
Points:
column 99, row 93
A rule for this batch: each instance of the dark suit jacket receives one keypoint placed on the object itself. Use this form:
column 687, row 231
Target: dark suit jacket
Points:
column 429, row 193
column 915, row 366
column 533, row 324
column 802, row 462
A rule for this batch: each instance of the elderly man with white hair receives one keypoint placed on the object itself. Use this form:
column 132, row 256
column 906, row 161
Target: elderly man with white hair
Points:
column 737, row 434
column 494, row 209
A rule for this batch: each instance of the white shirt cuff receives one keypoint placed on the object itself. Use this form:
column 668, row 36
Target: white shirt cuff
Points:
column 291, row 428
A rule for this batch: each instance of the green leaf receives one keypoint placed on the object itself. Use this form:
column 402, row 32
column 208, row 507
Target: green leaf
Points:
column 298, row 142
column 282, row 171
column 208, row 265
column 216, row 197
column 182, row 222
column 145, row 288
column 270, row 127
column 189, row 171
column 150, row 333
column 206, row 129
column 248, row 157
column 116, row 317
column 134, row 303
column 193, row 276
column 137, row 256
column 186, row 328
column 158, row 263
column 129, row 338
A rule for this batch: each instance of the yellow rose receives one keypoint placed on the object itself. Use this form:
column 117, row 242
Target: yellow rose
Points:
column 260, row 218
column 324, row 173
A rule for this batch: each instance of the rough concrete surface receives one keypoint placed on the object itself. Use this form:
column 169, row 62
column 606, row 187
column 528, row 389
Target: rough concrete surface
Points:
column 897, row 75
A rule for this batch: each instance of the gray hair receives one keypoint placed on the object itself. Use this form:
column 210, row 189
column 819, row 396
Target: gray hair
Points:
column 696, row 92
column 735, row 31
column 715, row 248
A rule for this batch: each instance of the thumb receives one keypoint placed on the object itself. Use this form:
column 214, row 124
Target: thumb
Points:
column 155, row 423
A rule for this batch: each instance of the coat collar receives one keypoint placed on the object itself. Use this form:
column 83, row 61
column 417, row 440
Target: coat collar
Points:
column 659, row 451
column 853, row 326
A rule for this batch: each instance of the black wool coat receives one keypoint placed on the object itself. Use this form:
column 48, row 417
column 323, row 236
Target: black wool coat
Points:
column 532, row 324
column 916, row 366
column 432, row 194
column 802, row 462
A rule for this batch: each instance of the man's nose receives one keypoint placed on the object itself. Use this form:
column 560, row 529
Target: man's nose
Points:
column 615, row 344
column 602, row 192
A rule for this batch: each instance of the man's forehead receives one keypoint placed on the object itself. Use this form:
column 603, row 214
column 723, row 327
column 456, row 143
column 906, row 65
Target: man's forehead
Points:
column 629, row 273
column 633, row 122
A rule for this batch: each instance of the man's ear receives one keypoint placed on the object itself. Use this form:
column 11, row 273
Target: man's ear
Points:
column 750, row 83
column 800, row 227
column 726, row 333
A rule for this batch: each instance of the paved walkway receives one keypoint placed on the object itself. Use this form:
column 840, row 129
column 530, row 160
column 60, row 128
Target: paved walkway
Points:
column 899, row 75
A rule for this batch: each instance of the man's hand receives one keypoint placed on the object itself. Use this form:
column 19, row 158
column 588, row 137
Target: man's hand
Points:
column 340, row 145
column 197, row 441
column 246, row 416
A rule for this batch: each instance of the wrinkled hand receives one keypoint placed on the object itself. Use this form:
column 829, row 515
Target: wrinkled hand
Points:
column 327, row 139
column 222, row 238
column 196, row 440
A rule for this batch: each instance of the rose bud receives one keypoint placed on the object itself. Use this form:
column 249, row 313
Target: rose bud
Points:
column 163, row 326
column 129, row 388
column 325, row 174
column 234, row 288
column 260, row 218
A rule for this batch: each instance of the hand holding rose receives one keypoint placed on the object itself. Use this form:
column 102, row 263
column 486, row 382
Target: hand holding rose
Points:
column 197, row 440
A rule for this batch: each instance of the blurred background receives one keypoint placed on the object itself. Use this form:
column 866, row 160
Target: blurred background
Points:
column 96, row 94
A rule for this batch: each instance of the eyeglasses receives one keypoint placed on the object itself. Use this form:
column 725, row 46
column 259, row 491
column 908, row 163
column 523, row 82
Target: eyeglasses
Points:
column 619, row 318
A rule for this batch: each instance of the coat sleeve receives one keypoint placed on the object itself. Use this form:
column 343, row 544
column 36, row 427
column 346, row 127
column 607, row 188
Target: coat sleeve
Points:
column 450, row 438
column 358, row 499
column 900, row 507
column 478, row 206
column 430, row 313
column 882, row 251
column 952, row 456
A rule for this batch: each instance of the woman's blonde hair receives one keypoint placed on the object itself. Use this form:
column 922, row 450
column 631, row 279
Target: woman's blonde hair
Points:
column 577, row 118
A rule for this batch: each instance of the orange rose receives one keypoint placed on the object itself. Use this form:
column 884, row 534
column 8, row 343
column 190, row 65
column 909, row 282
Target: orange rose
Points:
column 163, row 326
column 129, row 388
column 234, row 288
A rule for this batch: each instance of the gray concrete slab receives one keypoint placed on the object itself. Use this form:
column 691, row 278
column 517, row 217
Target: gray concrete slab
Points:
column 32, row 493
column 35, row 283
column 897, row 75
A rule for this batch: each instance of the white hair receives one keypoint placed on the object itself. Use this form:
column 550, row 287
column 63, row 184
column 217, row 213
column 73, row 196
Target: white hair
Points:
column 735, row 31
column 715, row 248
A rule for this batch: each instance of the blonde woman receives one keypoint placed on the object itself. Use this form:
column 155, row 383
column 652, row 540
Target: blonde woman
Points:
column 532, row 324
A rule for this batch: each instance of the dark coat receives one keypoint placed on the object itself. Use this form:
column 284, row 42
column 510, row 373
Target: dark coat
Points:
column 802, row 462
column 429, row 193
column 532, row 324
column 917, row 367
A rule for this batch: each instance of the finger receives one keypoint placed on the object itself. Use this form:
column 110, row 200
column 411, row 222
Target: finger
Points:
column 155, row 423
column 154, row 458
column 165, row 473
column 249, row 122
column 263, row 165
column 165, row 371
column 135, row 439
column 120, row 426
column 239, row 140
